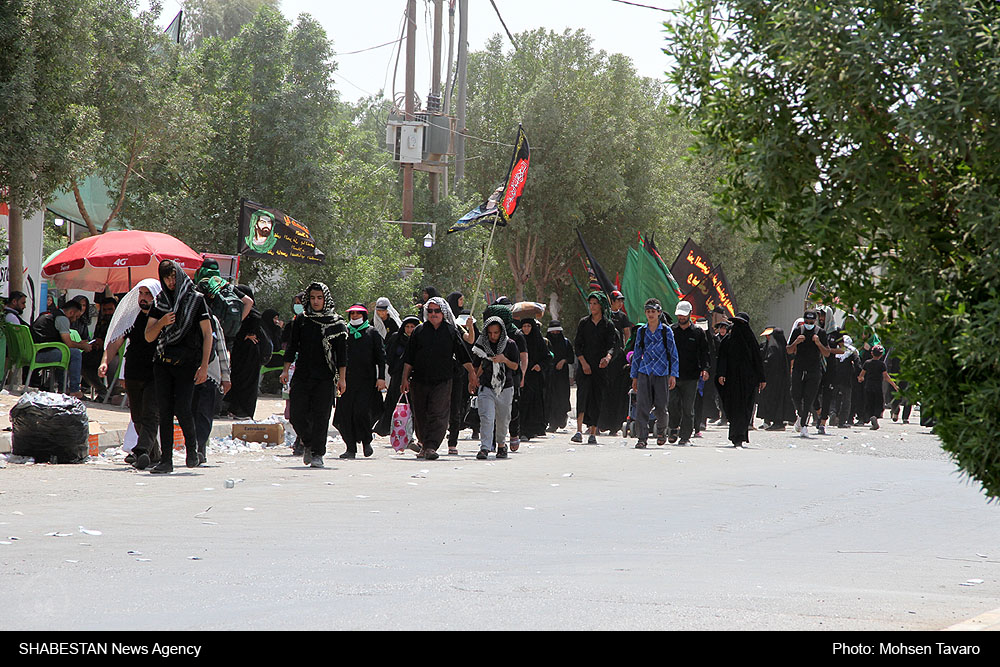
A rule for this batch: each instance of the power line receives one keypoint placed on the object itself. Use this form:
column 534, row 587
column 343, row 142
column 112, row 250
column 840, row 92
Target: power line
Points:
column 509, row 36
column 636, row 4
column 370, row 48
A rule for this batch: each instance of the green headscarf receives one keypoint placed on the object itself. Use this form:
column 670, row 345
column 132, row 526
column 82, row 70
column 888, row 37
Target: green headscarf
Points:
column 506, row 315
column 602, row 298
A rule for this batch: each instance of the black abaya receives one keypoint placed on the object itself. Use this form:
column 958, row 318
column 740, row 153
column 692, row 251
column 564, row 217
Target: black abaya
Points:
column 775, row 404
column 741, row 365
column 361, row 404
column 557, row 390
column 532, row 403
column 245, row 362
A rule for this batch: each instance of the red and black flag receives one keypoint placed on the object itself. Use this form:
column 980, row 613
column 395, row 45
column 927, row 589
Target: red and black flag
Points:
column 501, row 204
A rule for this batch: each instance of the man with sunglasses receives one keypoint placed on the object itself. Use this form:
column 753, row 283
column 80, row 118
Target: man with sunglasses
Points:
column 428, row 371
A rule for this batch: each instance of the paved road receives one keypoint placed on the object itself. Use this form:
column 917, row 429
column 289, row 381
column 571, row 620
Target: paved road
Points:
column 872, row 531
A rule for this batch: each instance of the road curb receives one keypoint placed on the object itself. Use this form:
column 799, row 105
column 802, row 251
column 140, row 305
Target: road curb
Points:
column 116, row 438
column 988, row 621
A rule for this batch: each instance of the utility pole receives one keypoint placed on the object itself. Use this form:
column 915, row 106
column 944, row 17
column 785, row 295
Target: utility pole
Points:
column 448, row 79
column 463, row 56
column 434, row 99
column 411, row 53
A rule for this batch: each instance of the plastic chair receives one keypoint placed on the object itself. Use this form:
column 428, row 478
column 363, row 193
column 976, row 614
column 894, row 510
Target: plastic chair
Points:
column 28, row 350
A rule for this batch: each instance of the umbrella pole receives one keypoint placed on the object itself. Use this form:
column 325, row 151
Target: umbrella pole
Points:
column 130, row 278
column 475, row 295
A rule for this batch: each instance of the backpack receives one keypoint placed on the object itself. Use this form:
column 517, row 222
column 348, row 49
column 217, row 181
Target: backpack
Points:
column 228, row 308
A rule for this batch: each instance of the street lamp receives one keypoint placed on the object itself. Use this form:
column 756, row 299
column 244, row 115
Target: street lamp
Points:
column 429, row 239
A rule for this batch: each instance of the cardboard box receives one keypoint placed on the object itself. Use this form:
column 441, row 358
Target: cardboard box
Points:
column 270, row 433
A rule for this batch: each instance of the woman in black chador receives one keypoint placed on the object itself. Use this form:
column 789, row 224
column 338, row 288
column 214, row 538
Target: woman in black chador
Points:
column 557, row 390
column 361, row 404
column 533, row 418
column 739, row 375
column 395, row 349
column 775, row 404
column 251, row 348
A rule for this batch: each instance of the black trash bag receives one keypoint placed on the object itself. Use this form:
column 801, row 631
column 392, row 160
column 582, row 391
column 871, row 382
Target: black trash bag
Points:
column 50, row 428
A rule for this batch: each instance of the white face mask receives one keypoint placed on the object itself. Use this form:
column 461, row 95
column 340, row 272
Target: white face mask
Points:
column 809, row 327
column 358, row 321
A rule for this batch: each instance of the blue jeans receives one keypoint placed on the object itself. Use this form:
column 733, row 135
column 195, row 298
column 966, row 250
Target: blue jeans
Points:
column 75, row 365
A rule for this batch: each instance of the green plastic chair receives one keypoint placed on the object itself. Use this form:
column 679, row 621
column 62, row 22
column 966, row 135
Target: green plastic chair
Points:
column 268, row 369
column 13, row 355
column 28, row 349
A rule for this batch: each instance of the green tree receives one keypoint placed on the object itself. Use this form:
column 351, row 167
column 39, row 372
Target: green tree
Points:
column 205, row 19
column 861, row 141
column 46, row 55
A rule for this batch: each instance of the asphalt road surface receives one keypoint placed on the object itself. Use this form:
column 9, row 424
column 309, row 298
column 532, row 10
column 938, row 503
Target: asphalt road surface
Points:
column 857, row 530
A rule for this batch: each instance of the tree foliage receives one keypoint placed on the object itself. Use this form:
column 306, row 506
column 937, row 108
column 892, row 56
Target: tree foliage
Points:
column 861, row 141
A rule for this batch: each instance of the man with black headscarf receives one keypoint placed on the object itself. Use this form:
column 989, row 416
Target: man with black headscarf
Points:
column 596, row 342
column 317, row 344
column 179, row 323
column 740, row 375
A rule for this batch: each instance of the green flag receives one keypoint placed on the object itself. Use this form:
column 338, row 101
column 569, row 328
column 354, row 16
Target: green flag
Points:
column 645, row 279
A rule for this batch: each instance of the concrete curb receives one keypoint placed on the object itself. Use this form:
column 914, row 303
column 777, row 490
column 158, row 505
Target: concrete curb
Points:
column 988, row 621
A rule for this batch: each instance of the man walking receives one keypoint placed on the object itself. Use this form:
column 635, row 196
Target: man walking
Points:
column 693, row 364
column 654, row 372
column 809, row 344
column 430, row 355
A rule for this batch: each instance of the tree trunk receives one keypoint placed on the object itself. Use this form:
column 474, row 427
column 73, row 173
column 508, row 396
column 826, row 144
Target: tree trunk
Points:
column 15, row 250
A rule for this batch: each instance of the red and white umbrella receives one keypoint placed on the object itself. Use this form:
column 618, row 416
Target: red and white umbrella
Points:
column 118, row 260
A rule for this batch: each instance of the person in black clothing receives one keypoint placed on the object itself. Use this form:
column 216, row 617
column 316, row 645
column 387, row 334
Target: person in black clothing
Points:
column 179, row 323
column 430, row 355
column 706, row 405
column 129, row 323
column 845, row 372
column 361, row 403
column 395, row 350
column 459, row 396
column 808, row 343
column 533, row 420
column 92, row 360
column 740, row 376
column 615, row 411
column 900, row 400
column 596, row 342
column 272, row 328
column 775, row 405
column 317, row 344
column 251, row 348
column 871, row 376
column 557, row 404
column 693, row 360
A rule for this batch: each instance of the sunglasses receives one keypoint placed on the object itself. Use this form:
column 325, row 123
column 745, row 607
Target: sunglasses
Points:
column 434, row 310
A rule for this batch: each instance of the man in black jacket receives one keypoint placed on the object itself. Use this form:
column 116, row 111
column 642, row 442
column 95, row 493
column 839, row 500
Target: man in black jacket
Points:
column 692, row 354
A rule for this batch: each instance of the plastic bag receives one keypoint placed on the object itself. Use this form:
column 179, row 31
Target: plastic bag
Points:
column 50, row 427
column 402, row 425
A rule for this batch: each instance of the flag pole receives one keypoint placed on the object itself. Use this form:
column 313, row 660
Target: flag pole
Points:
column 475, row 295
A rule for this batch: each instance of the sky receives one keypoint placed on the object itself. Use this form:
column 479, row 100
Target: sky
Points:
column 353, row 25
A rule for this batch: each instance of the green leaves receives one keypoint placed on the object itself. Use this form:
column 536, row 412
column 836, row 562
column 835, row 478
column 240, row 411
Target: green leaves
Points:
column 854, row 138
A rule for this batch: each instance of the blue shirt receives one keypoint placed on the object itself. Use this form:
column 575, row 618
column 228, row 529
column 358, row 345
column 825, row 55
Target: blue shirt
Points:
column 650, row 357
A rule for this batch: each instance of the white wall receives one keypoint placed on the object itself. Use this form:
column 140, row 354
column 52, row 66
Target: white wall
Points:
column 32, row 256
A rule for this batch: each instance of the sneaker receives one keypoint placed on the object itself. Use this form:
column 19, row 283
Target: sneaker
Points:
column 804, row 432
column 673, row 437
column 798, row 424
column 821, row 429
column 141, row 462
column 592, row 440
column 895, row 414
column 346, row 455
column 577, row 437
column 297, row 448
column 684, row 443
column 307, row 456
column 482, row 455
column 317, row 462
column 162, row 468
column 202, row 459
column 430, row 455
column 776, row 427
column 874, row 425
column 501, row 452
column 515, row 443
column 906, row 421
column 130, row 459
column 191, row 460
column 641, row 444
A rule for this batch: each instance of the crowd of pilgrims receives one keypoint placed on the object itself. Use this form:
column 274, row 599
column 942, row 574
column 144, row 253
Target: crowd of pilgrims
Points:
column 188, row 358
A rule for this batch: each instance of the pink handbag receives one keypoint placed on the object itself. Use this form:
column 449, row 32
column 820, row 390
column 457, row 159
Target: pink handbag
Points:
column 402, row 425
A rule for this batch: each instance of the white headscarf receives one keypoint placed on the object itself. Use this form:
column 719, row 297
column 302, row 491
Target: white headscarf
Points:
column 128, row 309
column 849, row 349
column 383, row 302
